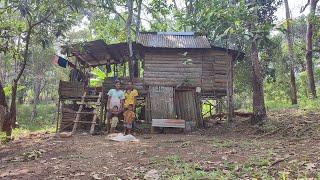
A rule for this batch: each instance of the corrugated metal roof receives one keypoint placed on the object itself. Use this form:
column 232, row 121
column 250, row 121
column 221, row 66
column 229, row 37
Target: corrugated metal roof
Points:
column 97, row 52
column 166, row 40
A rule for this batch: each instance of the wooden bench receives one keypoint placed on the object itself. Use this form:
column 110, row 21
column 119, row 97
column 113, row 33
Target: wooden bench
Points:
column 173, row 123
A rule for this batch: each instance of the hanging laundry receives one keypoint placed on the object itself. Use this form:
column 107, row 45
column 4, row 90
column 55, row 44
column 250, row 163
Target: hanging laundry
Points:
column 108, row 67
column 72, row 65
column 60, row 61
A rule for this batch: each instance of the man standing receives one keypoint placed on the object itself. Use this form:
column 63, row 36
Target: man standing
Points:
column 115, row 99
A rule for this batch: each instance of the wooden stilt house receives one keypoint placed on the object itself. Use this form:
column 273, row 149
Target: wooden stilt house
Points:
column 175, row 74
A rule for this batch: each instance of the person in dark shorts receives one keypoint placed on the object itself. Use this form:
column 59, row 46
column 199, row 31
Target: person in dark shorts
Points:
column 114, row 118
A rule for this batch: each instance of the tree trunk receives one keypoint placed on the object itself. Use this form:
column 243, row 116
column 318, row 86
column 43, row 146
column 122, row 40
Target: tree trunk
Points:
column 309, row 35
column 293, row 87
column 3, row 101
column 3, row 106
column 138, row 24
column 10, row 120
column 37, row 91
column 129, row 38
column 2, row 70
column 259, row 110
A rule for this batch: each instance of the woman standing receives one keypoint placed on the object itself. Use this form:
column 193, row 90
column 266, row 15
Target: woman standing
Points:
column 114, row 105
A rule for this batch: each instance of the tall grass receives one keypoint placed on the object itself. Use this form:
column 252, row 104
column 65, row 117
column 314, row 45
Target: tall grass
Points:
column 44, row 121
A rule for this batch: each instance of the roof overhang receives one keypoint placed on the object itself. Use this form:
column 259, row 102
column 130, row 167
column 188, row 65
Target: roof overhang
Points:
column 236, row 55
column 95, row 53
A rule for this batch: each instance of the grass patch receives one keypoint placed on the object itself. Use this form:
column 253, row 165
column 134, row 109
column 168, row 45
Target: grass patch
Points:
column 230, row 143
column 256, row 167
column 177, row 169
column 45, row 119
column 226, row 143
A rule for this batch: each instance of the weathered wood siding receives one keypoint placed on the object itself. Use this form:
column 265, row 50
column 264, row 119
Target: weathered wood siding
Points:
column 187, row 105
column 170, row 68
column 215, row 70
column 162, row 102
column 206, row 68
column 70, row 89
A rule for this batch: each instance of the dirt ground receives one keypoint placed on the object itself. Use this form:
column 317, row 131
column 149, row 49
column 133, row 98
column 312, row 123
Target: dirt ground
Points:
column 236, row 151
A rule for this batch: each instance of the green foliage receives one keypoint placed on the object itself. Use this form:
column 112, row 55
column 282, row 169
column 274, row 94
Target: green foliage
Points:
column 111, row 29
column 177, row 169
column 7, row 89
column 99, row 77
column 45, row 121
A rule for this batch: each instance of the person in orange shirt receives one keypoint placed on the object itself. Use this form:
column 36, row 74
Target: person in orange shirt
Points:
column 129, row 117
column 130, row 96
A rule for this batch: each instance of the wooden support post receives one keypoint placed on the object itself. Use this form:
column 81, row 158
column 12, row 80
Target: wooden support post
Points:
column 78, row 113
column 199, row 110
column 101, row 114
column 124, row 69
column 210, row 110
column 136, row 71
column 94, row 120
column 131, row 68
column 58, row 116
column 230, row 91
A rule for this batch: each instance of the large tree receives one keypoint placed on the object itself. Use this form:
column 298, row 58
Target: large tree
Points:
column 309, row 45
column 293, row 87
column 129, row 37
column 242, row 25
column 25, row 22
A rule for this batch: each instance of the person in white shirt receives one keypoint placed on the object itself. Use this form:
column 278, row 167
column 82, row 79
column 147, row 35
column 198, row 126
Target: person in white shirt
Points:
column 115, row 98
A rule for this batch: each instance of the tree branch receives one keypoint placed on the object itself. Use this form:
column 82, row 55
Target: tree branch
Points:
column 304, row 7
column 113, row 10
column 42, row 20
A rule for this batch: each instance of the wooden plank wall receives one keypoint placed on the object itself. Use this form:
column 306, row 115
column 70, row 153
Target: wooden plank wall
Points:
column 208, row 68
column 168, row 68
column 162, row 102
column 109, row 84
column 215, row 70
column 137, row 83
column 70, row 89
column 186, row 105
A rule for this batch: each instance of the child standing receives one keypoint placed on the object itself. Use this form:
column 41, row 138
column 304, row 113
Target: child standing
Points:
column 129, row 117
column 114, row 118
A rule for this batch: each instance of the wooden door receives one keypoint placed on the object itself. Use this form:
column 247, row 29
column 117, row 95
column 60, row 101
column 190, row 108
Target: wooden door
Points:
column 187, row 106
column 162, row 102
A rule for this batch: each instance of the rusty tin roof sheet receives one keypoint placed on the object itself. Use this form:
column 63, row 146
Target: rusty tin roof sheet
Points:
column 173, row 40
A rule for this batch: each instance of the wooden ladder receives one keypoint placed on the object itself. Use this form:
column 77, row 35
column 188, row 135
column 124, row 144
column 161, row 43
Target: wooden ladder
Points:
column 79, row 112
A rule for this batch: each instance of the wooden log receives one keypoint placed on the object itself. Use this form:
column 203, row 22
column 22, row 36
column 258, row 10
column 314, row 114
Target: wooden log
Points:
column 164, row 82
column 172, row 62
column 171, row 65
column 173, row 69
column 176, row 123
column 173, row 75
column 243, row 114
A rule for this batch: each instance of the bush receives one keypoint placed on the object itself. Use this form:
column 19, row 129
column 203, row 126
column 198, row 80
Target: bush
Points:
column 44, row 121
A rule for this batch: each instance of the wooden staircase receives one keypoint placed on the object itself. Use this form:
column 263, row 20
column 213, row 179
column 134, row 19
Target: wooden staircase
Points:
column 94, row 112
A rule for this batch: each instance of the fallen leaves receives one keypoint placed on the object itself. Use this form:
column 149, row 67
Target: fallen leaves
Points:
column 151, row 175
column 96, row 176
column 65, row 134
column 32, row 155
column 311, row 167
column 18, row 172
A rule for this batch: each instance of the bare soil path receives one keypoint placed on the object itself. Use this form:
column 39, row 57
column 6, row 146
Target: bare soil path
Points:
column 236, row 152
